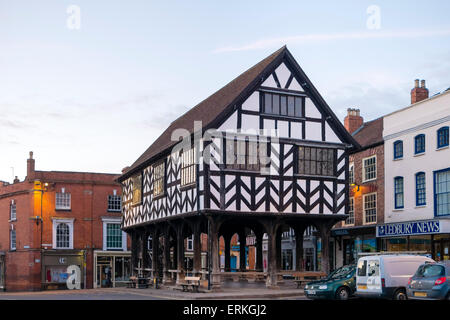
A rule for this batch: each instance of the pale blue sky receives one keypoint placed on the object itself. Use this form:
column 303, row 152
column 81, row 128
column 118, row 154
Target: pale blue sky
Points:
column 94, row 99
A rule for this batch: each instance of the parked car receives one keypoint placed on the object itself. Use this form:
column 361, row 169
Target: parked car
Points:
column 340, row 284
column 386, row 276
column 430, row 282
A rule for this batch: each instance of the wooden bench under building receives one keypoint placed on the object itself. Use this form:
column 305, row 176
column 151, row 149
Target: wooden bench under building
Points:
column 194, row 282
column 301, row 278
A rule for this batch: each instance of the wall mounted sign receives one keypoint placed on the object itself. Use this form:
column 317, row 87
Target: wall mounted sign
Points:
column 409, row 228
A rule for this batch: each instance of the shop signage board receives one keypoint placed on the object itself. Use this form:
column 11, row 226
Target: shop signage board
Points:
column 409, row 228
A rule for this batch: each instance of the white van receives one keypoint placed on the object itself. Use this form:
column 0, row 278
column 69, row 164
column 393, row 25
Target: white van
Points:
column 386, row 276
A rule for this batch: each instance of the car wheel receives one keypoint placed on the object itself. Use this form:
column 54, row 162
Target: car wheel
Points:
column 342, row 293
column 400, row 294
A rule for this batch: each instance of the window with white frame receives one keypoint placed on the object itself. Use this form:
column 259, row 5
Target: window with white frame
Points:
column 63, row 233
column 113, row 236
column 351, row 212
column 62, row 201
column 114, row 203
column 369, row 168
column 370, row 208
column 12, row 236
column 351, row 174
column 12, row 211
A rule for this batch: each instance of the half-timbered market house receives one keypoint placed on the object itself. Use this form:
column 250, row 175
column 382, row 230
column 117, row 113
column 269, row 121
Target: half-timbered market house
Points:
column 260, row 156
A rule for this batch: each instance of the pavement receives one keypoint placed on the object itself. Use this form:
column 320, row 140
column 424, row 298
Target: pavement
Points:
column 229, row 291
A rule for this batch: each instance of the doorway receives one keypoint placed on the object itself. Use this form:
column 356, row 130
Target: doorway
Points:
column 441, row 248
column 104, row 272
column 2, row 272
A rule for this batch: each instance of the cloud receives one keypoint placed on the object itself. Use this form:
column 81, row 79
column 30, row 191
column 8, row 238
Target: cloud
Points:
column 300, row 39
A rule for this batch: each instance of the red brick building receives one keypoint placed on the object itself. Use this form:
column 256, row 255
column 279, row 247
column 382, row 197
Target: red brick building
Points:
column 366, row 198
column 55, row 219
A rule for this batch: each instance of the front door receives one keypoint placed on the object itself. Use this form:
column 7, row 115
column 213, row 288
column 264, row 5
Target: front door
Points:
column 2, row 272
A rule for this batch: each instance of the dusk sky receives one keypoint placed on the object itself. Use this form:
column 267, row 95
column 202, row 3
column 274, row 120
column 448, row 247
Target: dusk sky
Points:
column 94, row 98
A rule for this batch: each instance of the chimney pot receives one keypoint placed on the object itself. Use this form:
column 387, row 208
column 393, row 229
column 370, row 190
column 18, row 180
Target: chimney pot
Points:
column 422, row 84
column 416, row 83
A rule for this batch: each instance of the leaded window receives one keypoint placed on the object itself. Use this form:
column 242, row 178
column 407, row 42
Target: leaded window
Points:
column 243, row 155
column 113, row 236
column 137, row 188
column 158, row 179
column 420, row 189
column 188, row 167
column 370, row 168
column 114, row 203
column 62, row 201
column 316, row 161
column 283, row 105
column 442, row 192
column 62, row 236
column 370, row 208
column 398, row 192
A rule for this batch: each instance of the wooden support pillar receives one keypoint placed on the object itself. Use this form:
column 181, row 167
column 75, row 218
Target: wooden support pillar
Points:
column 145, row 255
column 325, row 253
column 155, row 254
column 279, row 249
column 227, row 240
column 197, row 251
column 242, row 243
column 134, row 252
column 272, row 270
column 259, row 251
column 299, row 261
column 215, row 263
column 166, row 257
column 180, row 254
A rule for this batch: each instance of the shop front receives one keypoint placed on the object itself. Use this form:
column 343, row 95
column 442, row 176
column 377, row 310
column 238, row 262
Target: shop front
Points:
column 351, row 241
column 55, row 265
column 430, row 237
column 111, row 269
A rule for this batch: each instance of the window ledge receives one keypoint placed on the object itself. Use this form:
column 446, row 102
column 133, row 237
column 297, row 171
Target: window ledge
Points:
column 398, row 210
column 12, row 220
column 369, row 223
column 397, row 159
column 159, row 196
column 442, row 148
column 188, row 186
column 420, row 206
column 370, row 180
column 419, row 154
column 58, row 209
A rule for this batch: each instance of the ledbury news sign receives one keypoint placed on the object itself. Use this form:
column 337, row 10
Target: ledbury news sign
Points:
column 413, row 228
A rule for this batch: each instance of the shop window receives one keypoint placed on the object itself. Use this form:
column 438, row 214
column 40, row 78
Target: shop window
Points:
column 442, row 137
column 419, row 144
column 398, row 149
column 420, row 189
column 398, row 192
column 442, row 192
column 369, row 168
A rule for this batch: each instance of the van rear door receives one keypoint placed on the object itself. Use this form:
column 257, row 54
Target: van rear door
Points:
column 368, row 278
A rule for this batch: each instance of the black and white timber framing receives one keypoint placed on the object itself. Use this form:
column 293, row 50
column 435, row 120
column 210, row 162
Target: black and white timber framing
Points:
column 223, row 200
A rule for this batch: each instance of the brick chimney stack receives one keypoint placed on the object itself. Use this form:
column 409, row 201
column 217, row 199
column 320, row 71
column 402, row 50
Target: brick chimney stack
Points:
column 419, row 93
column 30, row 167
column 353, row 120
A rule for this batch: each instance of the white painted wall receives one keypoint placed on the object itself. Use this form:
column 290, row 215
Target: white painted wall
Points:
column 424, row 117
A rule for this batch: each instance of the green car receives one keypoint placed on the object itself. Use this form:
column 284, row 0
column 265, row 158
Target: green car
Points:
column 340, row 285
